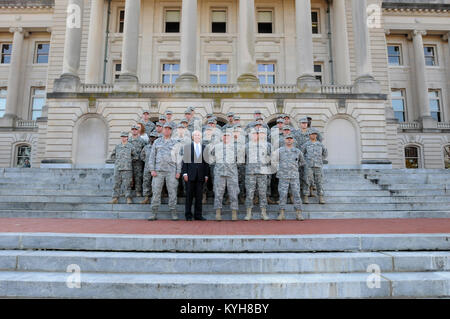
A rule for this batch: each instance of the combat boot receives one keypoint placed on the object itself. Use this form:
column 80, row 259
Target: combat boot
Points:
column 264, row 214
column 234, row 215
column 281, row 216
column 249, row 214
column 271, row 201
column 139, row 194
column 153, row 214
column 146, row 200
column 129, row 200
column 218, row 214
column 299, row 215
column 291, row 198
column 321, row 200
column 305, row 199
column 115, row 200
column 311, row 191
column 174, row 214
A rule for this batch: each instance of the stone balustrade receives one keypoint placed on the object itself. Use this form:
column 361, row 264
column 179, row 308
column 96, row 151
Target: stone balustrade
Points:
column 26, row 124
column 409, row 125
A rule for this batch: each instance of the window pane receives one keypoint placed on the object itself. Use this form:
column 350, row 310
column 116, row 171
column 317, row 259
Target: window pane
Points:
column 265, row 16
column 40, row 92
column 6, row 48
column 429, row 51
column 317, row 68
column 223, row 67
column 264, row 27
column 411, row 152
column 223, row 79
column 213, row 67
column 397, row 105
column 397, row 93
column 174, row 78
column 314, row 16
column 270, row 67
column 172, row 27
column 166, row 78
column 38, row 103
column 271, row 79
column 219, row 27
column 261, row 68
column 394, row 60
column 400, row 116
column 213, row 79
column 43, row 48
column 172, row 16
column 219, row 16
column 175, row 67
column 262, row 79
column 35, row 115
column 434, row 106
column 436, row 116
column 433, row 94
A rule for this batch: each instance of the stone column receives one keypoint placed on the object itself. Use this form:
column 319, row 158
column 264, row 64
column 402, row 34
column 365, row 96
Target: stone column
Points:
column 69, row 81
column 128, row 79
column 365, row 82
column 421, row 78
column 247, row 79
column 14, row 77
column 95, row 43
column 188, row 81
column 306, row 81
column 341, row 61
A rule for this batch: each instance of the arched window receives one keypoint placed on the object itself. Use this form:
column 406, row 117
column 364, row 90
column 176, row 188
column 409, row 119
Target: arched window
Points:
column 447, row 156
column 412, row 157
column 23, row 156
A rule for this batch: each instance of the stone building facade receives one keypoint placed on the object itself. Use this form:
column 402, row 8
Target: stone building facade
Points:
column 373, row 75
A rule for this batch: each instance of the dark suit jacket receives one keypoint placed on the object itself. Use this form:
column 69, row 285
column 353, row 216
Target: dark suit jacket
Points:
column 195, row 167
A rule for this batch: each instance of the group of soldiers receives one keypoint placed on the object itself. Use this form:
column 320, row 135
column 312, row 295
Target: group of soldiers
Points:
column 241, row 158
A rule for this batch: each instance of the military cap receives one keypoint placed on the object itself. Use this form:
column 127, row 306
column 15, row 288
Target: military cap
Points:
column 280, row 120
column 237, row 117
column 227, row 132
column 237, row 128
column 254, row 131
column 167, row 125
column 184, row 120
column 262, row 130
column 168, row 112
column 313, row 131
column 303, row 120
column 153, row 134
column 159, row 124
column 162, row 117
column 286, row 115
column 230, row 114
column 257, row 112
column 209, row 115
column 188, row 111
column 289, row 136
column 191, row 108
column 180, row 126
column 287, row 127
column 145, row 111
column 124, row 134
column 135, row 127
column 259, row 118
column 211, row 121
column 280, row 116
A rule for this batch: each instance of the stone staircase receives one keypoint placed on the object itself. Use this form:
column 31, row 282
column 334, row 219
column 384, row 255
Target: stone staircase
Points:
column 181, row 266
column 85, row 193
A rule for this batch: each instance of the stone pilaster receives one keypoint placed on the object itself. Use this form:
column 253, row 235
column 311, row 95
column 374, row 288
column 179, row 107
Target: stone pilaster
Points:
column 95, row 43
column 341, row 54
column 306, row 81
column 365, row 82
column 247, row 80
column 188, row 81
column 69, row 81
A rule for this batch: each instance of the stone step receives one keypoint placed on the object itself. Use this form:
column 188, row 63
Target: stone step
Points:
column 215, row 263
column 31, row 199
column 415, row 187
column 230, row 286
column 336, row 207
column 225, row 243
column 209, row 214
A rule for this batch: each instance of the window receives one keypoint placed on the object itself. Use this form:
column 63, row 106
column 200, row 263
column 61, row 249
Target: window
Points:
column 447, row 156
column 430, row 55
column 219, row 21
column 315, row 21
column 435, row 104
column 266, row 73
column 218, row 73
column 117, row 69
column 412, row 157
column 318, row 71
column 23, row 157
column 120, row 20
column 6, row 53
column 37, row 102
column 42, row 50
column 172, row 21
column 398, row 104
column 394, row 55
column 170, row 72
column 265, row 21
column 3, row 94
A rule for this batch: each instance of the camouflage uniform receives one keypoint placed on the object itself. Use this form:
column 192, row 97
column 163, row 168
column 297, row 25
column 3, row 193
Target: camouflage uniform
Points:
column 166, row 161
column 301, row 139
column 149, row 126
column 123, row 174
column 239, row 142
column 289, row 161
column 147, row 180
column 314, row 153
column 256, row 171
column 225, row 174
column 137, row 164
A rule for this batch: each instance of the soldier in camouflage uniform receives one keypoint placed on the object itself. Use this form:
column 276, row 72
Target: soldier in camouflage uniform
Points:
column 170, row 121
column 211, row 136
column 229, row 125
column 257, row 152
column 165, row 165
column 158, row 129
column 145, row 156
column 289, row 158
column 123, row 174
column 315, row 152
column 149, row 125
column 239, row 141
column 225, row 174
column 138, row 165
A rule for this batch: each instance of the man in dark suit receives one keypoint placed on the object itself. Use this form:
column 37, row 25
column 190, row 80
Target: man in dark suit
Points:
column 195, row 171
